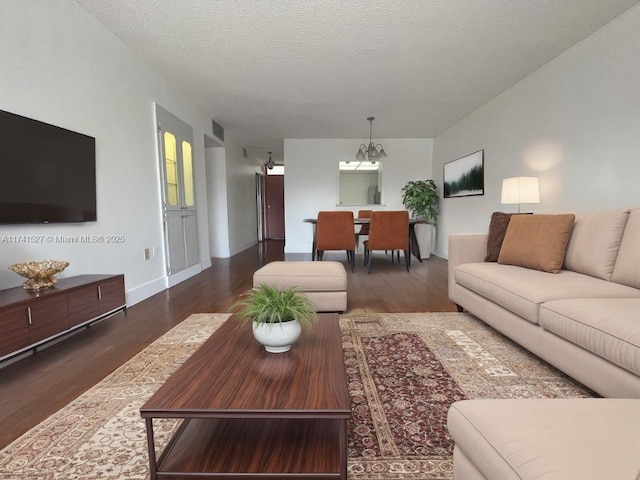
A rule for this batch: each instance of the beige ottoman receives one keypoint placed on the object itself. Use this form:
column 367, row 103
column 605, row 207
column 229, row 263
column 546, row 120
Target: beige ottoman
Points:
column 554, row 439
column 325, row 283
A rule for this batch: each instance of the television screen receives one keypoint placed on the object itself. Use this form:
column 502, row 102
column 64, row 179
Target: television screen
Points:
column 48, row 173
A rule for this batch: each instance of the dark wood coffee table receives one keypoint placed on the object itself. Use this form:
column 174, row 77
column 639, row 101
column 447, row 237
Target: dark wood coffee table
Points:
column 252, row 414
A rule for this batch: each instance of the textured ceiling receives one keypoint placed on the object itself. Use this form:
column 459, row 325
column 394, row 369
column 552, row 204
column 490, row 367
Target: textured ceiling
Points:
column 273, row 69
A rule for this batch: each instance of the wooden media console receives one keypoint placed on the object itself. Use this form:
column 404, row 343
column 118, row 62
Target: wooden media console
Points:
column 29, row 319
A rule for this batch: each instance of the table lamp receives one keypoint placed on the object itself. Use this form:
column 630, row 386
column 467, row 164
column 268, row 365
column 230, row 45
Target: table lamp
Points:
column 520, row 190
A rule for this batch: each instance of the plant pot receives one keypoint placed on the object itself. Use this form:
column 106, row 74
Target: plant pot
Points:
column 425, row 234
column 277, row 337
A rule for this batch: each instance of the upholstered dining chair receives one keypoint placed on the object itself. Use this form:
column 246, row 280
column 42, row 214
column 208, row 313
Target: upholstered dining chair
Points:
column 334, row 231
column 364, row 228
column 388, row 230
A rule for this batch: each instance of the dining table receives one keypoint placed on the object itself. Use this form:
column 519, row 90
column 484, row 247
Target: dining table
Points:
column 413, row 244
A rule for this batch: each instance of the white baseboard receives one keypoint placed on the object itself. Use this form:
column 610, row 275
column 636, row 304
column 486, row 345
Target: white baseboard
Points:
column 183, row 275
column 142, row 292
column 229, row 252
column 220, row 253
column 302, row 248
column 242, row 247
column 149, row 289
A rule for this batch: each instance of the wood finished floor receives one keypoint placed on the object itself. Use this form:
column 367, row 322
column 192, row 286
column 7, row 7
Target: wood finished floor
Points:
column 36, row 386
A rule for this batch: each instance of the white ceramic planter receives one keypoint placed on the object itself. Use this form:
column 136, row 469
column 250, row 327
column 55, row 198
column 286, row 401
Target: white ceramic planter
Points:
column 277, row 337
column 425, row 236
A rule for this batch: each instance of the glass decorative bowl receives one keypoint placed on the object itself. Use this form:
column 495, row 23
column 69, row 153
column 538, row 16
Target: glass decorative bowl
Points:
column 40, row 274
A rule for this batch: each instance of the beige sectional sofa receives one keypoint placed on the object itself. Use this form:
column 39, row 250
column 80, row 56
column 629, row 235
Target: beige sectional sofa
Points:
column 551, row 439
column 584, row 320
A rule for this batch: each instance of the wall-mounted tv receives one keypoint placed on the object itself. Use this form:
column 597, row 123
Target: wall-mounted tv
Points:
column 47, row 173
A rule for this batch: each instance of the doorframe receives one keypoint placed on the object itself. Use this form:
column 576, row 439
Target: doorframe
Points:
column 161, row 115
column 261, row 205
column 266, row 207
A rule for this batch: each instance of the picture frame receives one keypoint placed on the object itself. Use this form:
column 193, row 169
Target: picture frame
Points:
column 464, row 177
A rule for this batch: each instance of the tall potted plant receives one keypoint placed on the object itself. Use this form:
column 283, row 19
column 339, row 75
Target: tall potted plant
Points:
column 421, row 198
column 278, row 317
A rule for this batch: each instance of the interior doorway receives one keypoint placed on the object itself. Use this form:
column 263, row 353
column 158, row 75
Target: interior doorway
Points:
column 270, row 202
column 274, row 212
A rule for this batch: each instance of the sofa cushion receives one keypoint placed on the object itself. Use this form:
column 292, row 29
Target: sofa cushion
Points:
column 608, row 327
column 627, row 269
column 497, row 229
column 536, row 241
column 522, row 290
column 551, row 439
column 594, row 242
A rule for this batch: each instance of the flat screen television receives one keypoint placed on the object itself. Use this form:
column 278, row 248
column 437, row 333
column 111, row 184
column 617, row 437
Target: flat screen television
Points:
column 47, row 173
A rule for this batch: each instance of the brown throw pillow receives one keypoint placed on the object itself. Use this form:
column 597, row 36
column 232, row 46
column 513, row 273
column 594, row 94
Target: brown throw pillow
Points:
column 536, row 241
column 497, row 229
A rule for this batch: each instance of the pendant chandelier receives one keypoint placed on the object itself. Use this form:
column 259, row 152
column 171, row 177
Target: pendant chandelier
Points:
column 270, row 163
column 371, row 152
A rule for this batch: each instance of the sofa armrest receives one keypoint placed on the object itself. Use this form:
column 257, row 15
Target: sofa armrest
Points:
column 464, row 248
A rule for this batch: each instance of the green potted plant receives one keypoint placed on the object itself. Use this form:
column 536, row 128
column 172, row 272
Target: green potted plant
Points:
column 420, row 197
column 278, row 317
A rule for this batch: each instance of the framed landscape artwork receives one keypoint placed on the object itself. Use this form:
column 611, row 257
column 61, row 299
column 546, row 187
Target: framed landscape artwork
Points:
column 465, row 176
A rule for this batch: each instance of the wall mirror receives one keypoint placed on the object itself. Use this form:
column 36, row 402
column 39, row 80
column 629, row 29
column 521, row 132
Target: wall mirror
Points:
column 359, row 183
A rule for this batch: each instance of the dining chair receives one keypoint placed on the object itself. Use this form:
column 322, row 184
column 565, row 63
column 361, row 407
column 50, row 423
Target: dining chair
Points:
column 364, row 228
column 388, row 230
column 334, row 231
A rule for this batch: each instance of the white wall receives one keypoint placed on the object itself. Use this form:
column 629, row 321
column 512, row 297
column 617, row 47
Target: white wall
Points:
column 217, row 201
column 61, row 66
column 311, row 179
column 241, row 196
column 575, row 123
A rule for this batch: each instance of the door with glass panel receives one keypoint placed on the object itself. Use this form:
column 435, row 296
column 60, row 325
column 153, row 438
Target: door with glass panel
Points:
column 175, row 140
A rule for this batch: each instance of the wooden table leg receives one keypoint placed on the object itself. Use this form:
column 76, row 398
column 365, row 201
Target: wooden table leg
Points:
column 153, row 466
column 313, row 247
column 343, row 448
column 413, row 243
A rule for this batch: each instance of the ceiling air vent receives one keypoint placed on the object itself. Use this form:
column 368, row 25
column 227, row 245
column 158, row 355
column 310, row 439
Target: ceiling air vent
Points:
column 244, row 152
column 218, row 131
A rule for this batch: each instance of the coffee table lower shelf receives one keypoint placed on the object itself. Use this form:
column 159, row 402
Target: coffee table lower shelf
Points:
column 226, row 448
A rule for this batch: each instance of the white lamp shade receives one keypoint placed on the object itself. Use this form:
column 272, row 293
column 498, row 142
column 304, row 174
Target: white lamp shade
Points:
column 520, row 190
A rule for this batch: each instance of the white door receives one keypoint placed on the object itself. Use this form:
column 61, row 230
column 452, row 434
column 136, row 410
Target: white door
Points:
column 190, row 222
column 175, row 140
column 174, row 238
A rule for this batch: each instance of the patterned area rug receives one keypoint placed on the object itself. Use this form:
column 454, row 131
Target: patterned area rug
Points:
column 404, row 371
